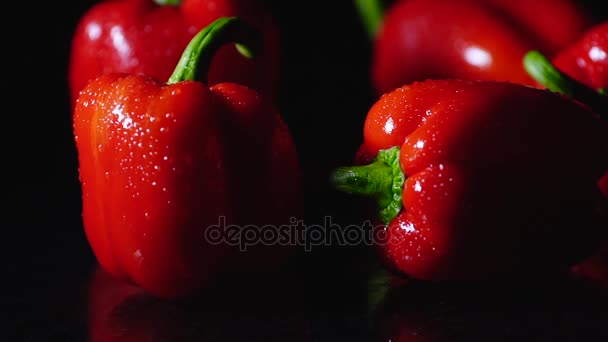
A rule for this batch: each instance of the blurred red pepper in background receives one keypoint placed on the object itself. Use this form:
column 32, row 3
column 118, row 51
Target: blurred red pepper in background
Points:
column 160, row 164
column 586, row 59
column 478, row 179
column 148, row 37
column 469, row 39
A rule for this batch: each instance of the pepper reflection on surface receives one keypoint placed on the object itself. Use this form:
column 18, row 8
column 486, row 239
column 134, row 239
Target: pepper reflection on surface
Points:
column 556, row 308
column 118, row 311
column 121, row 312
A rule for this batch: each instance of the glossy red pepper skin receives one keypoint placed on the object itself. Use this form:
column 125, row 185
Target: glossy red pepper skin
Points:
column 579, row 71
column 477, row 39
column 586, row 59
column 481, row 161
column 141, row 37
column 161, row 163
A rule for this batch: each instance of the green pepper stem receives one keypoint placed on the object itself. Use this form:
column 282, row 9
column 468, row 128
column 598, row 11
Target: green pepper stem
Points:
column 382, row 180
column 545, row 73
column 196, row 58
column 168, row 2
column 369, row 180
column 371, row 14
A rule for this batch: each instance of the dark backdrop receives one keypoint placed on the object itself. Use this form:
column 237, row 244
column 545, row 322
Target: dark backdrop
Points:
column 47, row 259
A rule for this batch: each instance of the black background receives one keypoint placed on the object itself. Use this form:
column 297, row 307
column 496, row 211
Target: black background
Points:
column 47, row 261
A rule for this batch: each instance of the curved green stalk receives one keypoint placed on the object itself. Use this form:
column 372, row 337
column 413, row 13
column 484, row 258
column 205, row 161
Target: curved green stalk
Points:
column 371, row 14
column 382, row 180
column 168, row 2
column 196, row 58
column 545, row 73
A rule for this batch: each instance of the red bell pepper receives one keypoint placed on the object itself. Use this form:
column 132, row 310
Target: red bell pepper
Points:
column 585, row 59
column 160, row 163
column 580, row 71
column 465, row 174
column 469, row 39
column 148, row 36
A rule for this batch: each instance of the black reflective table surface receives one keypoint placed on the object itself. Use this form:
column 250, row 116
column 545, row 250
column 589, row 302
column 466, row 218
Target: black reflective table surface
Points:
column 54, row 291
column 100, row 308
